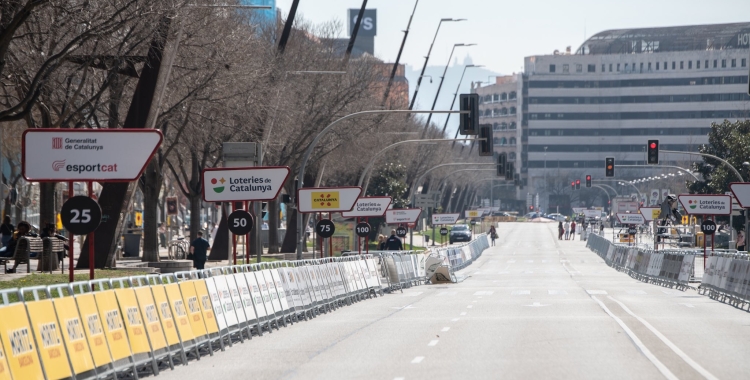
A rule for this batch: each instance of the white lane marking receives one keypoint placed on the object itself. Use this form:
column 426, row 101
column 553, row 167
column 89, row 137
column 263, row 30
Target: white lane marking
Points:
column 636, row 292
column 521, row 292
column 557, row 292
column 536, row 304
column 596, row 292
column 454, row 320
column 475, row 301
column 544, row 261
column 646, row 352
column 529, row 261
column 672, row 346
column 398, row 378
column 445, row 329
column 441, row 294
column 529, row 272
column 511, row 261
column 484, row 293
column 463, row 313
column 414, row 294
column 690, row 305
column 502, row 272
column 669, row 292
column 404, row 307
column 417, row 360
column 432, row 343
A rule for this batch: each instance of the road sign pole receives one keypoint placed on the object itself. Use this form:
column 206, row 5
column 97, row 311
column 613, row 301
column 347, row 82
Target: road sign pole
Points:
column 247, row 236
column 330, row 239
column 747, row 231
column 234, row 240
column 704, row 248
column 367, row 239
column 71, row 240
column 91, row 237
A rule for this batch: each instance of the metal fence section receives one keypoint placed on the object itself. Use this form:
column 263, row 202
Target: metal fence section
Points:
column 727, row 279
column 671, row 268
column 461, row 256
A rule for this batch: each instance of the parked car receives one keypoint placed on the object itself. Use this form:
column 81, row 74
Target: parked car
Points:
column 459, row 232
column 556, row 217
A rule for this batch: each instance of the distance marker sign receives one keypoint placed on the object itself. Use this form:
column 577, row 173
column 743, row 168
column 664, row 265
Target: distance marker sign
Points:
column 708, row 227
column 240, row 222
column 81, row 215
column 362, row 229
column 401, row 231
column 260, row 183
column 325, row 228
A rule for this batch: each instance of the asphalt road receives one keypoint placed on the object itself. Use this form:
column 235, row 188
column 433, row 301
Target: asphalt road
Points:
column 532, row 307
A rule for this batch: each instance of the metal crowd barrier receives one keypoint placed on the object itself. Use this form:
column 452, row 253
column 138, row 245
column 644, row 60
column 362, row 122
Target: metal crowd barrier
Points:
column 727, row 279
column 145, row 324
column 671, row 268
column 461, row 256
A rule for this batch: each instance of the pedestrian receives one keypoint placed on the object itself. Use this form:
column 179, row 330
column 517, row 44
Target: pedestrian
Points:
column 381, row 242
column 560, row 231
column 566, row 227
column 573, row 230
column 199, row 251
column 9, row 250
column 493, row 234
column 741, row 241
column 162, row 235
column 393, row 243
column 50, row 231
column 6, row 229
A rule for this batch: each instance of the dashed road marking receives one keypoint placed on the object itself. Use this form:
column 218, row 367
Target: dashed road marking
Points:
column 690, row 305
column 556, row 292
column 596, row 292
column 417, row 360
column 463, row 313
column 444, row 329
column 530, row 261
column 529, row 272
column 511, row 261
column 454, row 320
column 636, row 292
column 470, row 306
column 432, row 343
column 484, row 293
column 442, row 294
column 521, row 292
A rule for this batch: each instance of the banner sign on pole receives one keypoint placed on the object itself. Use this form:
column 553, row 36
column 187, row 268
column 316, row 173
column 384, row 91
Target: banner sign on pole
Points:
column 578, row 210
column 631, row 218
column 650, row 213
column 441, row 219
column 327, row 199
column 592, row 213
column 403, row 215
column 706, row 204
column 473, row 213
column 258, row 183
column 368, row 206
column 741, row 191
column 627, row 206
column 87, row 154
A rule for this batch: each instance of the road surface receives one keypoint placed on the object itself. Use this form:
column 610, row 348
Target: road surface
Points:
column 532, row 307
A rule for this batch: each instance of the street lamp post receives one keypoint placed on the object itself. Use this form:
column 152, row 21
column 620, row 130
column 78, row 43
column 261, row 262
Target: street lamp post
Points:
column 427, row 58
column 455, row 95
column 440, row 86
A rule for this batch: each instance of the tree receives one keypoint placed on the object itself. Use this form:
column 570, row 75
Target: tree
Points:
column 727, row 140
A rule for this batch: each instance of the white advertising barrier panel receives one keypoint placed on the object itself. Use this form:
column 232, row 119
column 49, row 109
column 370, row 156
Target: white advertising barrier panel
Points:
column 404, row 215
column 631, row 218
column 473, row 213
column 368, row 206
column 650, row 213
column 706, row 204
column 741, row 191
column 441, row 219
column 327, row 199
column 592, row 213
column 87, row 154
column 234, row 291
column 257, row 296
column 263, row 183
column 246, row 296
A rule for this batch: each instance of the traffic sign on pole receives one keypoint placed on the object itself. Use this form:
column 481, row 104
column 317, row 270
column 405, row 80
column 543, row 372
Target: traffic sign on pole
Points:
column 81, row 215
column 327, row 199
column 240, row 222
column 442, row 219
column 325, row 228
column 706, row 204
column 259, row 183
column 87, row 154
column 708, row 227
column 741, row 191
column 368, row 207
column 631, row 218
column 362, row 229
column 401, row 231
column 404, row 215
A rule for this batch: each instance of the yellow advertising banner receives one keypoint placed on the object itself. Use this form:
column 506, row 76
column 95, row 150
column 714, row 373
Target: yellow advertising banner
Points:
column 114, row 327
column 92, row 324
column 201, row 290
column 73, row 336
column 191, row 305
column 325, row 200
column 4, row 370
column 49, row 337
column 18, row 343
column 177, row 311
column 655, row 214
column 151, row 317
column 138, row 219
column 133, row 321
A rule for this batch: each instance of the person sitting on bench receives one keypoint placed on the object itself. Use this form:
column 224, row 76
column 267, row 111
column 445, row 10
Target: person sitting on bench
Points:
column 50, row 231
column 9, row 250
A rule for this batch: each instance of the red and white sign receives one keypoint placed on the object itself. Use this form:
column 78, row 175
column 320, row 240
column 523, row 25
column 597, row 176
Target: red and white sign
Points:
column 402, row 215
column 650, row 213
column 706, row 204
column 368, row 206
column 442, row 219
column 87, row 154
column 259, row 183
column 327, row 199
column 592, row 213
column 627, row 206
column 631, row 218
column 741, row 191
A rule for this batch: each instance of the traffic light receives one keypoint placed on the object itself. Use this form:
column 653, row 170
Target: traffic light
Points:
column 469, row 122
column 509, row 169
column 588, row 181
column 609, row 166
column 531, row 208
column 485, row 144
column 501, row 160
column 653, row 152
column 578, row 184
column 572, row 185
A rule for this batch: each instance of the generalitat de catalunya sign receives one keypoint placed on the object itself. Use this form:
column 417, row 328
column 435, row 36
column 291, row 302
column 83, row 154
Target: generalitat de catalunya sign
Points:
column 87, row 154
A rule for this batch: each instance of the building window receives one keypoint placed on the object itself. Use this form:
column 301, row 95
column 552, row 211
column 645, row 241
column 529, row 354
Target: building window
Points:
column 552, row 68
column 512, row 110
column 690, row 65
column 503, row 126
column 674, row 65
column 618, row 67
column 604, row 67
column 626, row 67
column 657, row 65
column 504, row 96
column 706, row 64
column 495, row 97
column 743, row 62
column 665, row 65
column 512, row 95
column 682, row 66
column 512, row 156
column 697, row 64
column 513, row 125
column 512, row 141
column 591, row 68
column 734, row 62
column 649, row 66
column 610, row 67
column 723, row 63
column 566, row 68
column 579, row 68
column 715, row 63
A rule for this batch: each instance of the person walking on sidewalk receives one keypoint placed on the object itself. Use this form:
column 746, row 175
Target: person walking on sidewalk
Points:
column 493, row 234
column 394, row 243
column 566, row 227
column 199, row 251
column 560, row 231
column 741, row 241
column 573, row 230
column 6, row 229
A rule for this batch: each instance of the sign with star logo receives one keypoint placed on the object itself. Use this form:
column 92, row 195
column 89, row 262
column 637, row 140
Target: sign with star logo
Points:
column 327, row 199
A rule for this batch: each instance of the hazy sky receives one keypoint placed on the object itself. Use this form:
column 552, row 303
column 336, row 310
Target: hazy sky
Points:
column 507, row 31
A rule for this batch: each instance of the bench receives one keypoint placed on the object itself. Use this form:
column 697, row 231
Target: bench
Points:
column 52, row 253
column 26, row 245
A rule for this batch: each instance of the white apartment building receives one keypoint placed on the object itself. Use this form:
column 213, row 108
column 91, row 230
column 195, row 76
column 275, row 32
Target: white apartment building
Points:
column 623, row 87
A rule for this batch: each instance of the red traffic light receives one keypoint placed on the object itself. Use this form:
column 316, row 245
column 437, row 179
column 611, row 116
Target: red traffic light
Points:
column 531, row 208
column 588, row 178
column 653, row 145
column 578, row 182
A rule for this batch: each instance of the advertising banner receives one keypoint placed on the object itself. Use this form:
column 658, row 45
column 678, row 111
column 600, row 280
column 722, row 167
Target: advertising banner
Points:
column 368, row 206
column 706, row 204
column 327, row 199
column 259, row 183
column 403, row 215
column 631, row 218
column 650, row 213
column 441, row 219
